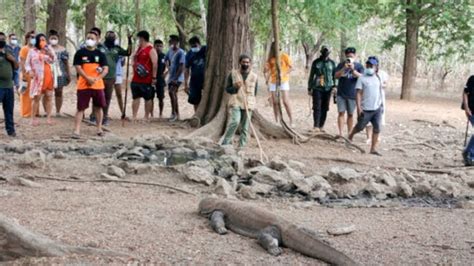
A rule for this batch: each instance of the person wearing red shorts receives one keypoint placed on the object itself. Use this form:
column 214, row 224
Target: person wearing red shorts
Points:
column 91, row 66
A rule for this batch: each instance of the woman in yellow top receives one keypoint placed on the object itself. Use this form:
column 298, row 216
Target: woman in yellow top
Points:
column 25, row 100
column 271, row 75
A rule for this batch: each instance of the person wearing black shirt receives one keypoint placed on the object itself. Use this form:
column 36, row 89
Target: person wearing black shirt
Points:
column 160, row 76
column 468, row 106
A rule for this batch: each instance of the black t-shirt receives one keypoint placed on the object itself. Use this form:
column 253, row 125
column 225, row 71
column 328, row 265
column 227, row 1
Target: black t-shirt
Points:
column 469, row 90
column 91, row 62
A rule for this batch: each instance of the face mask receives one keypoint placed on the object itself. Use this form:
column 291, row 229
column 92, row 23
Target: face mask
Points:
column 33, row 41
column 369, row 71
column 3, row 44
column 90, row 43
column 116, row 42
column 53, row 42
column 244, row 67
column 14, row 42
column 195, row 49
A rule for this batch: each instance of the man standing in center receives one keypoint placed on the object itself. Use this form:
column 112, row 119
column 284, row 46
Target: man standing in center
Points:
column 242, row 85
column 321, row 82
column 348, row 73
column 145, row 65
column 176, row 59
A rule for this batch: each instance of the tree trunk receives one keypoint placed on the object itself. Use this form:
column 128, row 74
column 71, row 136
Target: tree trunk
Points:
column 311, row 52
column 342, row 52
column 411, row 49
column 138, row 16
column 29, row 19
column 91, row 9
column 17, row 242
column 181, row 19
column 202, row 9
column 57, row 11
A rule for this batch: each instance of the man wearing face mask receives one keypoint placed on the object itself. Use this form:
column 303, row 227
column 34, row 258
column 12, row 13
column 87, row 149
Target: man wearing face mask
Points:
column 369, row 101
column 242, row 85
column 195, row 67
column 8, row 64
column 112, row 53
column 14, row 48
column 175, row 59
column 61, row 69
column 347, row 72
column 321, row 82
column 91, row 66
column 145, row 64
column 160, row 76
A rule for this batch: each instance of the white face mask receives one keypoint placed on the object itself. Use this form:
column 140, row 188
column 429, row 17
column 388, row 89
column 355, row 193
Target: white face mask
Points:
column 53, row 42
column 90, row 43
column 14, row 42
column 117, row 42
column 33, row 41
column 369, row 71
column 195, row 49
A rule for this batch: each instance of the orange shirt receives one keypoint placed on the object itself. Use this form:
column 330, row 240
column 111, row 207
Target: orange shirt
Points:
column 91, row 62
column 285, row 64
column 48, row 82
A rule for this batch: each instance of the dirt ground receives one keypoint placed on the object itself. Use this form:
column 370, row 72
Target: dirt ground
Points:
column 156, row 225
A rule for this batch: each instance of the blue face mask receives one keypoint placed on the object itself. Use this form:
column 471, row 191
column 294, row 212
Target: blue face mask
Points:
column 369, row 71
column 33, row 41
column 195, row 49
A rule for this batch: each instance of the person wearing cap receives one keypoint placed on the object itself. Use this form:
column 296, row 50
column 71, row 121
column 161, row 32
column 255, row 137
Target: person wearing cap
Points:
column 347, row 73
column 369, row 102
column 175, row 59
column 322, row 81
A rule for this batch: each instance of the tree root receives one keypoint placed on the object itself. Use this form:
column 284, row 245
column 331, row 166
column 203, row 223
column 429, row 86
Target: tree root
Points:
column 16, row 241
column 327, row 136
column 116, row 181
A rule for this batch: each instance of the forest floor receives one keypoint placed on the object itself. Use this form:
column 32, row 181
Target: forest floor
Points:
column 156, row 225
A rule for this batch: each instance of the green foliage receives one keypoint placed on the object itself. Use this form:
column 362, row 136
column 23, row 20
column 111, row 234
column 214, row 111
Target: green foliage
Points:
column 445, row 26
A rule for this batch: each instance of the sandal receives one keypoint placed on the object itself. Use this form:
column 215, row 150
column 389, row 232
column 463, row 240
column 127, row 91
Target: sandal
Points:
column 100, row 134
column 75, row 136
column 376, row 153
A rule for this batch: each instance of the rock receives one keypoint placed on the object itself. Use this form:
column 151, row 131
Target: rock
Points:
column 405, row 190
column 277, row 164
column 202, row 154
column 447, row 187
column 304, row 185
column 338, row 174
column 263, row 174
column 292, row 174
column 108, row 177
column 389, row 180
column 181, row 155
column 349, row 190
column 422, row 188
column 247, row 192
column 59, row 155
column 224, row 188
column 141, row 169
column 16, row 146
column 204, row 164
column 341, row 230
column 199, row 175
column 304, row 205
column 375, row 189
column 261, row 189
column 116, row 171
column 299, row 166
column 232, row 161
column 320, row 183
column 19, row 181
column 318, row 194
column 33, row 158
column 228, row 150
column 465, row 204
column 135, row 154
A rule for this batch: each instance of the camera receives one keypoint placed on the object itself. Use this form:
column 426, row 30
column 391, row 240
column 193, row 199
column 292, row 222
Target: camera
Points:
column 349, row 60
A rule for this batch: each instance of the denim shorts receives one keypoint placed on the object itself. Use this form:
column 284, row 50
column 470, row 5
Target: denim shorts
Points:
column 345, row 105
column 374, row 117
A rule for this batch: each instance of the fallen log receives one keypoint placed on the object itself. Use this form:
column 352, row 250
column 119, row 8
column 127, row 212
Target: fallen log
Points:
column 17, row 241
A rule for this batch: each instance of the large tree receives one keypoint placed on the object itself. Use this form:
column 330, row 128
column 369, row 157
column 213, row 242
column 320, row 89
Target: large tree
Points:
column 90, row 14
column 29, row 19
column 429, row 28
column 57, row 15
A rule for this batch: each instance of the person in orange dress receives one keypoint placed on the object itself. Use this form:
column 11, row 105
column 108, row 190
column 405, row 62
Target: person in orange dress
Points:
column 38, row 67
column 271, row 77
column 25, row 100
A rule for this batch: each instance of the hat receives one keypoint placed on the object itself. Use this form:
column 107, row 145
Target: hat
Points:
column 350, row 50
column 372, row 61
column 325, row 50
column 174, row 37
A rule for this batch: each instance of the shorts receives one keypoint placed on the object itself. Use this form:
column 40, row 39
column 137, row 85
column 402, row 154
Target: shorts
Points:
column 176, row 86
column 160, row 89
column 345, row 105
column 195, row 93
column 374, row 117
column 84, row 97
column 118, row 80
column 141, row 90
column 285, row 86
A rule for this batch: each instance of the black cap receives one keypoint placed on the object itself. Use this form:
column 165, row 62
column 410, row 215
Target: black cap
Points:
column 350, row 50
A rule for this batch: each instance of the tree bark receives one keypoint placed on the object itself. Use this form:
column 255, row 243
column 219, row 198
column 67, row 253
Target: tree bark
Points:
column 202, row 9
column 17, row 242
column 310, row 52
column 138, row 16
column 91, row 10
column 57, row 14
column 227, row 38
column 411, row 49
column 29, row 19
column 342, row 52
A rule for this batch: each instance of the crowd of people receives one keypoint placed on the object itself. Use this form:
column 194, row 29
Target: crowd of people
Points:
column 40, row 70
